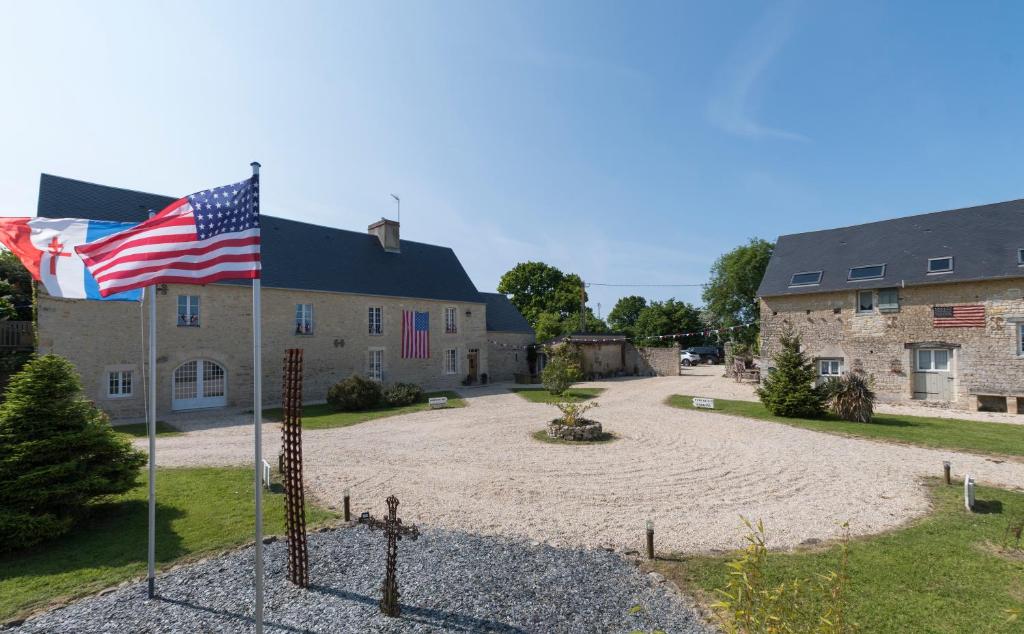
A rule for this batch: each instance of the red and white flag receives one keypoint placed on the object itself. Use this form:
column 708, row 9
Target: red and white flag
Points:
column 959, row 316
column 415, row 334
column 208, row 236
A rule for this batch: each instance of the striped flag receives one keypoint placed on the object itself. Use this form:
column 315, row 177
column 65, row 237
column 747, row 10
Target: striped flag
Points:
column 208, row 236
column 958, row 316
column 415, row 335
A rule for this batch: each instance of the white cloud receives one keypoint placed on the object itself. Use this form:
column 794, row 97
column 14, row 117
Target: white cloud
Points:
column 731, row 106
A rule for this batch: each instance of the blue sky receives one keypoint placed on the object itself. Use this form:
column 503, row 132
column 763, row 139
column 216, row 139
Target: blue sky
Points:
column 628, row 142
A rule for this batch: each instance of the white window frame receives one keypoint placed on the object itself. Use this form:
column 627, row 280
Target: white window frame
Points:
column 191, row 302
column 121, row 383
column 861, row 311
column 451, row 354
column 851, row 278
column 837, row 363
column 940, row 271
column 375, row 368
column 451, row 326
column 931, row 359
column 375, row 317
column 304, row 313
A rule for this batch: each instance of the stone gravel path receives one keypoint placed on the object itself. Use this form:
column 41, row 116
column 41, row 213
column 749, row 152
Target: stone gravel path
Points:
column 694, row 473
column 450, row 582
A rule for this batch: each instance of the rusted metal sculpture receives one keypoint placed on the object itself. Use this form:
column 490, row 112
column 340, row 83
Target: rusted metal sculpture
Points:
column 394, row 531
column 291, row 444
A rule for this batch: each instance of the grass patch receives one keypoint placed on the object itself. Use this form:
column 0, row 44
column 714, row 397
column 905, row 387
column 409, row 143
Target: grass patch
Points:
column 542, row 436
column 946, row 433
column 141, row 430
column 323, row 416
column 572, row 395
column 198, row 511
column 938, row 575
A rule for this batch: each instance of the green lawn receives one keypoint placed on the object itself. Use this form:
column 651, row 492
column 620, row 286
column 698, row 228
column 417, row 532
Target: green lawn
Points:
column 542, row 436
column 572, row 395
column 198, row 510
column 946, row 433
column 141, row 430
column 322, row 416
column 950, row 572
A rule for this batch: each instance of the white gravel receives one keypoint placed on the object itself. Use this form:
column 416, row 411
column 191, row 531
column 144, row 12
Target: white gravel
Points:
column 693, row 473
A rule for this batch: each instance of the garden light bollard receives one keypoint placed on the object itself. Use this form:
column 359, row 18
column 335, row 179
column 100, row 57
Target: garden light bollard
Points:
column 347, row 506
column 945, row 470
column 650, row 539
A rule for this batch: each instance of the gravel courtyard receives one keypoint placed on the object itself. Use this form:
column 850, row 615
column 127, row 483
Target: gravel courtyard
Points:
column 477, row 469
column 524, row 587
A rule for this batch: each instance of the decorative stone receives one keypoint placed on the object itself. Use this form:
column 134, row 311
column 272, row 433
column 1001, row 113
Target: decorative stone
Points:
column 591, row 430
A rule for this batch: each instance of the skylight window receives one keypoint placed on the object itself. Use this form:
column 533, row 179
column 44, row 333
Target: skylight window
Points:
column 873, row 272
column 1020, row 257
column 806, row 279
column 940, row 265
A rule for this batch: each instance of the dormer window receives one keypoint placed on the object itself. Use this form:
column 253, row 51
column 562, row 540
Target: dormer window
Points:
column 810, row 278
column 940, row 265
column 873, row 272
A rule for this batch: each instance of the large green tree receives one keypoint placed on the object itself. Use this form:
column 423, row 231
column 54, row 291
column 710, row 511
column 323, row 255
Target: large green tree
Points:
column 730, row 298
column 550, row 325
column 15, row 288
column 668, row 317
column 535, row 288
column 624, row 315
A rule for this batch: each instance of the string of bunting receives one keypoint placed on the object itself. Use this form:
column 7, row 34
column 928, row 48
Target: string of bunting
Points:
column 598, row 339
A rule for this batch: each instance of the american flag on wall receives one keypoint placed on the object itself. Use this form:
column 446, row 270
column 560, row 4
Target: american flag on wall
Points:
column 415, row 334
column 958, row 316
column 208, row 236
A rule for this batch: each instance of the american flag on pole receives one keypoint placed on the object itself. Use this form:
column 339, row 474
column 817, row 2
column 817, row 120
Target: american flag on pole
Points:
column 415, row 335
column 208, row 236
column 958, row 316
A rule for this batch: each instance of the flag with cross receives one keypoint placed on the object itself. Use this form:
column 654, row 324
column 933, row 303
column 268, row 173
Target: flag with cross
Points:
column 46, row 246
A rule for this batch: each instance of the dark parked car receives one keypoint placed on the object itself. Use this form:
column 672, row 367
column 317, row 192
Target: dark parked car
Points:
column 707, row 354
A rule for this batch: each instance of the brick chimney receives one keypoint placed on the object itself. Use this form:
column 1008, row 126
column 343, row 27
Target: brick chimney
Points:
column 387, row 232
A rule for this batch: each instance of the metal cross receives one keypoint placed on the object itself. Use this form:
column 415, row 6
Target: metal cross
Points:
column 394, row 531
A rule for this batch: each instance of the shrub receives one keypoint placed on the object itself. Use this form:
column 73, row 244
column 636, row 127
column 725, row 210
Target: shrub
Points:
column 401, row 394
column 572, row 413
column 58, row 452
column 354, row 394
column 562, row 369
column 752, row 603
column 850, row 397
column 789, row 390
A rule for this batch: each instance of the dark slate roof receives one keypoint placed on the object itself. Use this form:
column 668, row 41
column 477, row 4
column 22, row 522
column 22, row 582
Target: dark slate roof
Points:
column 983, row 242
column 503, row 316
column 295, row 255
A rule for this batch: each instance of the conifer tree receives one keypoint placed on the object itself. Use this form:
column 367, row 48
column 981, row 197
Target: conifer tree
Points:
column 789, row 389
column 58, row 452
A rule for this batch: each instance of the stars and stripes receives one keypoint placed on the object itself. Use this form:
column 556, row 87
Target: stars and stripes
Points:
column 415, row 334
column 208, row 236
column 958, row 316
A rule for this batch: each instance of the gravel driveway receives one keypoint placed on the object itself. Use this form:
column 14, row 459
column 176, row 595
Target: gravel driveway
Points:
column 693, row 473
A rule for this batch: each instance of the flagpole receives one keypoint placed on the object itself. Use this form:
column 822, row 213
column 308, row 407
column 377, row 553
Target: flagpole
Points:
column 257, row 414
column 151, row 416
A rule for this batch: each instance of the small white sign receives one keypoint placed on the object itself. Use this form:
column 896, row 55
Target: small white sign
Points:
column 266, row 474
column 969, row 492
column 438, row 402
column 703, row 403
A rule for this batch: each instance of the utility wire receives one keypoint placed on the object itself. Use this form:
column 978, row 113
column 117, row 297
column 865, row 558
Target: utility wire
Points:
column 646, row 285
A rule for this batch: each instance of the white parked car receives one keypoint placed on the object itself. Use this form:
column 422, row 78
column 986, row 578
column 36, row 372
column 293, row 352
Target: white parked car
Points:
column 687, row 359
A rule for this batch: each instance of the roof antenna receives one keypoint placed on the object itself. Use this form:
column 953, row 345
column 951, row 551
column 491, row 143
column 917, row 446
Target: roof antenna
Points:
column 399, row 202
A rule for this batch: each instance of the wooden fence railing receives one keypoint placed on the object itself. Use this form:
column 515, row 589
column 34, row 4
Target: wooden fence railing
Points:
column 16, row 335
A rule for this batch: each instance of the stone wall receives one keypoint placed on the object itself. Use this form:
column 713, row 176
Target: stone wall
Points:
column 652, row 361
column 985, row 360
column 100, row 337
column 601, row 359
column 505, row 355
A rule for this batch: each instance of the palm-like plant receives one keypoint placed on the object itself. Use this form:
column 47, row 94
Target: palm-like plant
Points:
column 850, row 397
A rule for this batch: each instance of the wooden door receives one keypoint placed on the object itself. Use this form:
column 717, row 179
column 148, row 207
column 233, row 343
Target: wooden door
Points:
column 933, row 374
column 473, row 358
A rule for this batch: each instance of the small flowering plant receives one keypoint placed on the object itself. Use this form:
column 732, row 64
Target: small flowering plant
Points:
column 572, row 413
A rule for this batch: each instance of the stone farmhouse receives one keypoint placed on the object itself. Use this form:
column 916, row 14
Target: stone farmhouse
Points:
column 929, row 306
column 339, row 295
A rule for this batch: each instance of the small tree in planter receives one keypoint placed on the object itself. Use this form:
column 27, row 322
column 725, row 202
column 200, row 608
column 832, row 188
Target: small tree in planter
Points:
column 57, row 454
column 562, row 369
column 790, row 390
column 571, row 425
